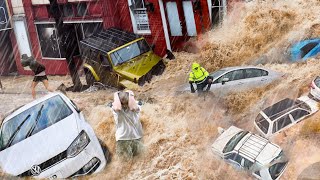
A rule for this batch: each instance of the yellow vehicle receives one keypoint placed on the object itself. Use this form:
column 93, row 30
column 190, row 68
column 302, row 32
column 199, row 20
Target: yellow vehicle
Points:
column 119, row 59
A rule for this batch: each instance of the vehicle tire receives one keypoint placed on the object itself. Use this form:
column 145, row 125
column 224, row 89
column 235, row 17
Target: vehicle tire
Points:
column 159, row 69
column 105, row 150
column 89, row 78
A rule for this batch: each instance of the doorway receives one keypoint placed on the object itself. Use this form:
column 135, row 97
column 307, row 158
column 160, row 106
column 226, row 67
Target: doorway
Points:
column 181, row 22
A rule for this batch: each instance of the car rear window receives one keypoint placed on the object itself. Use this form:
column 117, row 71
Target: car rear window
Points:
column 33, row 120
column 307, row 48
column 262, row 123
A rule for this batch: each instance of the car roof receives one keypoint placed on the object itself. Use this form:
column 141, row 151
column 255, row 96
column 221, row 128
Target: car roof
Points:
column 251, row 146
column 256, row 148
column 110, row 39
column 241, row 67
column 279, row 108
column 27, row 106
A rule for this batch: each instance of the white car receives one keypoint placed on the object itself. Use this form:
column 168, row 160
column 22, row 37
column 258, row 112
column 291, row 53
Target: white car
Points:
column 49, row 138
column 284, row 114
column 238, row 79
column 315, row 88
column 247, row 151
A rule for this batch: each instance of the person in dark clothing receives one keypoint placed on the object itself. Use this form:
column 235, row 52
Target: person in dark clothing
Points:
column 200, row 77
column 1, row 85
column 39, row 73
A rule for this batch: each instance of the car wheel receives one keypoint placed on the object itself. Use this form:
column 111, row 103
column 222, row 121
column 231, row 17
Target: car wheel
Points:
column 89, row 78
column 105, row 150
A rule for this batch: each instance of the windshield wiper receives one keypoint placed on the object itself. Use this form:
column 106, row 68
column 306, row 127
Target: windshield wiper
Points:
column 35, row 124
column 16, row 132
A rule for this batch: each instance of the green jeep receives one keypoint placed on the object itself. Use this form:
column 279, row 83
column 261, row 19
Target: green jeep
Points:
column 119, row 59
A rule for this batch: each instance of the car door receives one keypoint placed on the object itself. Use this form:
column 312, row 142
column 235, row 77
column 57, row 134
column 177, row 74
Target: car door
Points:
column 235, row 82
column 255, row 77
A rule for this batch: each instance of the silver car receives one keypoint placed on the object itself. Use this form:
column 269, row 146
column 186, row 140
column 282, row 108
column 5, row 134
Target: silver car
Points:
column 238, row 79
column 315, row 88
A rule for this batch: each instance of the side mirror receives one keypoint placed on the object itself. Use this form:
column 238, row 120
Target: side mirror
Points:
column 224, row 80
column 220, row 130
column 153, row 47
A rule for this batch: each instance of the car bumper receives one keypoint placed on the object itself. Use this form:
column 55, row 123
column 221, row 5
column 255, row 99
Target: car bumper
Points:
column 91, row 158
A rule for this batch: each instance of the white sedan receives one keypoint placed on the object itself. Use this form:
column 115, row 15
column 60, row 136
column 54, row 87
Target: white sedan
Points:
column 238, row 78
column 49, row 138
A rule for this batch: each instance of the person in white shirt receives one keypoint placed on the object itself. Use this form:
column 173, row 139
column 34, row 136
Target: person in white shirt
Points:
column 129, row 131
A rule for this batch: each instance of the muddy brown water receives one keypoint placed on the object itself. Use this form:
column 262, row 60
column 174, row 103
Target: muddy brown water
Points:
column 180, row 128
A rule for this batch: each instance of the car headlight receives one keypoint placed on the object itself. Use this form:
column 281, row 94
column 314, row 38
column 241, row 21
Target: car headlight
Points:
column 81, row 141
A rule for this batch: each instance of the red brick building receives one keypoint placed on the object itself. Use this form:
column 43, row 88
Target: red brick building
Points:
column 165, row 23
column 7, row 63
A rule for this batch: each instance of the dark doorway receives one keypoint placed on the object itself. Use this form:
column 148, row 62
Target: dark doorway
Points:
column 7, row 62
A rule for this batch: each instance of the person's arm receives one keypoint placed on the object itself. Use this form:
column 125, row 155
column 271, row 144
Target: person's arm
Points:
column 133, row 106
column 116, row 105
column 205, row 72
column 191, row 80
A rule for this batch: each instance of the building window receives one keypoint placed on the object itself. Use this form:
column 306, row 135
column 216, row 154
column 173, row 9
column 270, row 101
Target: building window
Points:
column 218, row 11
column 58, row 46
column 139, row 16
column 48, row 39
column 67, row 10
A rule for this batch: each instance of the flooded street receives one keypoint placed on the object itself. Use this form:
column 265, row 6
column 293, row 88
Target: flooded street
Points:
column 179, row 128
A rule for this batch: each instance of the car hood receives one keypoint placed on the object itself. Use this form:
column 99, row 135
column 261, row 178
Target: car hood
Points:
column 138, row 66
column 219, row 144
column 39, row 147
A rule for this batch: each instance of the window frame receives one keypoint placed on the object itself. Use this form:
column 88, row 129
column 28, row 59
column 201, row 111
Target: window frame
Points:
column 83, row 33
column 296, row 120
column 133, row 19
column 44, row 57
column 275, row 124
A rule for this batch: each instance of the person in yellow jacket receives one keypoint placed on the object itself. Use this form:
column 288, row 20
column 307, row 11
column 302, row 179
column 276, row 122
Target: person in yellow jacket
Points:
column 200, row 77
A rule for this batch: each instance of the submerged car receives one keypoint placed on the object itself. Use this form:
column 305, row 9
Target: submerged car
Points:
column 315, row 88
column 253, row 153
column 305, row 49
column 284, row 114
column 119, row 59
column 238, row 79
column 49, row 138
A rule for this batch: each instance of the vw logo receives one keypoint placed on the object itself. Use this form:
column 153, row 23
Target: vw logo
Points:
column 35, row 170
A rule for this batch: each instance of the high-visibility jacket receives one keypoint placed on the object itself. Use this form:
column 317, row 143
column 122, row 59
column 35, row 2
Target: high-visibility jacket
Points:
column 198, row 73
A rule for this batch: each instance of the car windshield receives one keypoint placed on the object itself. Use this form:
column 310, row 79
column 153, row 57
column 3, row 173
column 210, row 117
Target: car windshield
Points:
column 276, row 169
column 216, row 74
column 262, row 123
column 317, row 82
column 33, row 120
column 128, row 52
column 234, row 141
